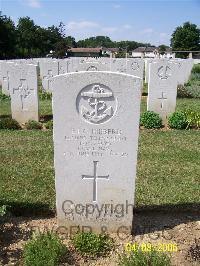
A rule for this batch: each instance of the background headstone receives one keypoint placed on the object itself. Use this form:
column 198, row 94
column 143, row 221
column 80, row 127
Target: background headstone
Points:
column 24, row 92
column 48, row 69
column 5, row 76
column 162, row 88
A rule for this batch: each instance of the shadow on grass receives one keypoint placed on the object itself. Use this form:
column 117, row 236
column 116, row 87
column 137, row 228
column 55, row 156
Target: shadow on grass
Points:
column 170, row 210
column 5, row 116
column 28, row 209
column 148, row 219
column 46, row 118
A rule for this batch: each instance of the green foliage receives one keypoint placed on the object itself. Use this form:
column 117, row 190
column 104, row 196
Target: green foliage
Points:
column 31, row 124
column 44, row 249
column 150, row 119
column 92, row 244
column 8, row 37
column 49, row 124
column 186, row 38
column 121, row 54
column 196, row 69
column 3, row 210
column 4, row 97
column 43, row 95
column 177, row 120
column 162, row 49
column 28, row 39
column 139, row 258
column 9, row 123
column 193, row 119
column 192, row 88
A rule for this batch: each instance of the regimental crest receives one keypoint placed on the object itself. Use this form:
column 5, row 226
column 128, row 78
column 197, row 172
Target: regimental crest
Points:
column 96, row 103
column 164, row 72
column 135, row 66
column 92, row 68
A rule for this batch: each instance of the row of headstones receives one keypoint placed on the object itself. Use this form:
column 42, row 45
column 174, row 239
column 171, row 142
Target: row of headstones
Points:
column 22, row 81
column 49, row 68
column 96, row 127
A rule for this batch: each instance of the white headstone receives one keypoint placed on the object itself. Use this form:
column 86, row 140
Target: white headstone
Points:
column 24, row 92
column 48, row 69
column 63, row 66
column 162, row 88
column 96, row 126
column 5, row 76
column 90, row 65
column 130, row 66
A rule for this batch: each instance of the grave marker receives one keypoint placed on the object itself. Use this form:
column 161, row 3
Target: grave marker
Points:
column 162, row 87
column 24, row 92
column 96, row 127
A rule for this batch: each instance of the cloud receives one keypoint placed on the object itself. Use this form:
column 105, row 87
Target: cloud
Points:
column 33, row 3
column 147, row 31
column 127, row 26
column 116, row 6
column 82, row 29
column 163, row 35
column 109, row 29
column 73, row 25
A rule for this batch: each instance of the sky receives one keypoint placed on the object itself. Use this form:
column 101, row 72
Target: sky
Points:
column 134, row 20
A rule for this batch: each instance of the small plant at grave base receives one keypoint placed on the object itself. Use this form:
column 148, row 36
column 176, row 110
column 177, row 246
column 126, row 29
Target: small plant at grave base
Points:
column 177, row 120
column 3, row 210
column 9, row 123
column 194, row 252
column 196, row 69
column 92, row 244
column 31, row 124
column 4, row 97
column 150, row 119
column 44, row 249
column 141, row 258
column 193, row 119
column 49, row 124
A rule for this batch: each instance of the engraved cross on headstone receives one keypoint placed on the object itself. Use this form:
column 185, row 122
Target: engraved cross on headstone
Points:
column 6, row 80
column 24, row 91
column 48, row 77
column 95, row 176
column 162, row 98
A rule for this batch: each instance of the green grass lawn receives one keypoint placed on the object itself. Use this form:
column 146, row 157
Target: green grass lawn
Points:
column 167, row 173
column 46, row 107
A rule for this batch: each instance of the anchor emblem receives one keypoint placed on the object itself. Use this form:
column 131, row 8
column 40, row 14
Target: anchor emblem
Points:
column 164, row 72
column 97, row 111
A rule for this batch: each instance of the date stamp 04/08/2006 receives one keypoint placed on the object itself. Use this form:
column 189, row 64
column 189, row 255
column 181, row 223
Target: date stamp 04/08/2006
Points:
column 147, row 247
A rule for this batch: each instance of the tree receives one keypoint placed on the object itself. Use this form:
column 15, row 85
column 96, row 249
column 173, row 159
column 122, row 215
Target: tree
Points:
column 61, row 48
column 70, row 41
column 98, row 41
column 162, row 49
column 7, row 37
column 26, row 40
column 186, row 38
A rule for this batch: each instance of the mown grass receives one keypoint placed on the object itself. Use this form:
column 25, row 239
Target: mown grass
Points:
column 46, row 106
column 168, row 167
column 167, row 173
